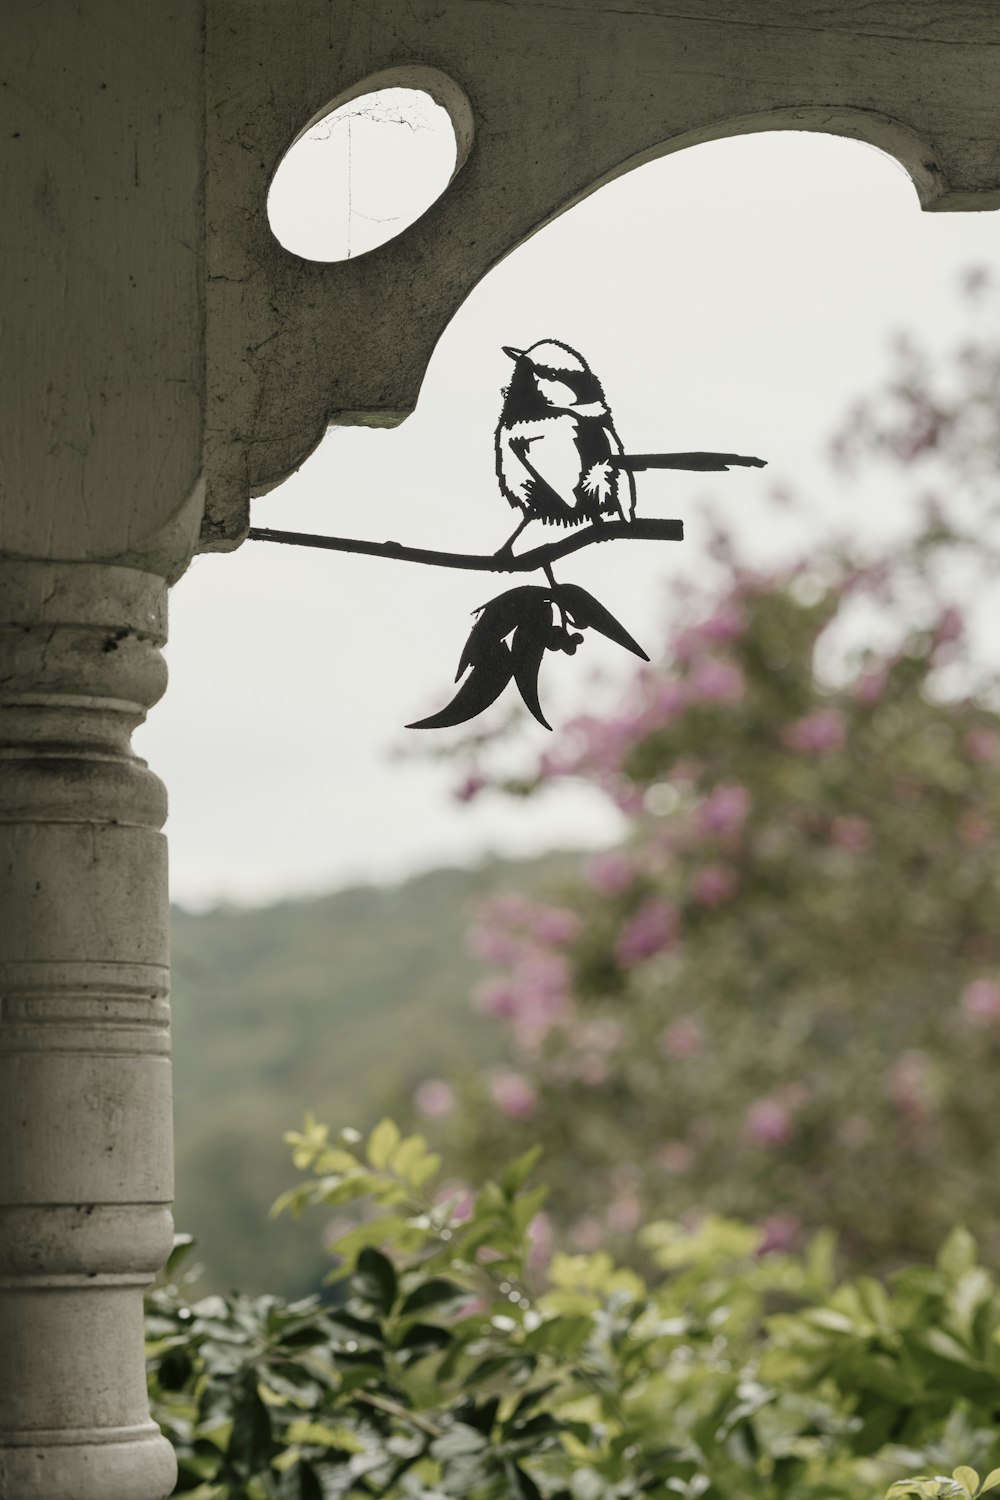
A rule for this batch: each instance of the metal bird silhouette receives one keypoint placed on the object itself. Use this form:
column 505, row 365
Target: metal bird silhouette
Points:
column 558, row 456
column 559, row 460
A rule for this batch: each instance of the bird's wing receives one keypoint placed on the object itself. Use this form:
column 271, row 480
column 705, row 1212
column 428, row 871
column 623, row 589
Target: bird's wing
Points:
column 551, row 451
column 625, row 478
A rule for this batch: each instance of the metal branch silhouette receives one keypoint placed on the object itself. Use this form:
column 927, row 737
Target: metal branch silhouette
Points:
column 560, row 461
column 537, row 557
column 491, row 562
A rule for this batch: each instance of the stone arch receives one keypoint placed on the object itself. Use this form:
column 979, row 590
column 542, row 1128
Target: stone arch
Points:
column 890, row 136
column 564, row 99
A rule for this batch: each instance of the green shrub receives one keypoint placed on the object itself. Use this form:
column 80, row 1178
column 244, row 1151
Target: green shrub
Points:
column 454, row 1357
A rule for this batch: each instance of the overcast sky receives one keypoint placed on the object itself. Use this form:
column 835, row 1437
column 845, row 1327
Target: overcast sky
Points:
column 733, row 297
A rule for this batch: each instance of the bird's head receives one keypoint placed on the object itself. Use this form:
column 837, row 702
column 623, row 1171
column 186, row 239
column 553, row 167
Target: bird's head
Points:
column 561, row 378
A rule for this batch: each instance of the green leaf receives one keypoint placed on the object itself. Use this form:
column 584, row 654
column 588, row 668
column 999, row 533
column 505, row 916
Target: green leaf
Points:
column 460, row 1439
column 381, row 1143
column 408, row 1155
column 250, row 1440
column 421, row 1172
column 322, row 1435
column 375, row 1279
column 300, row 1483
column 991, row 1482
column 182, row 1247
column 958, row 1254
column 967, row 1478
column 513, row 1177
column 433, row 1293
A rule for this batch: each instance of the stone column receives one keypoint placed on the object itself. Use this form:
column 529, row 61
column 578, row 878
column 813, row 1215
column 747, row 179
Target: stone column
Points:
column 102, row 393
column 85, row 1117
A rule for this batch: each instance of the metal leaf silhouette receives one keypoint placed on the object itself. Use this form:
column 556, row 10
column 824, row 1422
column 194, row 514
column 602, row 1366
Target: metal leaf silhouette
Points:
column 483, row 686
column 497, row 619
column 589, row 614
column 527, row 650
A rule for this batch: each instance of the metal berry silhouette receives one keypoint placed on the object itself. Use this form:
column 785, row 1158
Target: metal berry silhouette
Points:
column 560, row 461
column 557, row 452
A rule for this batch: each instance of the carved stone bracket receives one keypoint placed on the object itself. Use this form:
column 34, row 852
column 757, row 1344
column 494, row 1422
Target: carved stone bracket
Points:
column 549, row 102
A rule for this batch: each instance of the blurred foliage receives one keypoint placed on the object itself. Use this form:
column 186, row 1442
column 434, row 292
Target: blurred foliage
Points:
column 341, row 1002
column 779, row 999
column 454, row 1357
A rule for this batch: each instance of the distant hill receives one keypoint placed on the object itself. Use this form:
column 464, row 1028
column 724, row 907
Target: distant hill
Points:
column 340, row 1004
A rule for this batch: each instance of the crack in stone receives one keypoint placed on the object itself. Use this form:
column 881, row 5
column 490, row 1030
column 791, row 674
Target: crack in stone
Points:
column 733, row 21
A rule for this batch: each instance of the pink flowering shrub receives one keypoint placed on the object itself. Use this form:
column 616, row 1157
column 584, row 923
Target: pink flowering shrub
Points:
column 650, row 930
column 779, row 998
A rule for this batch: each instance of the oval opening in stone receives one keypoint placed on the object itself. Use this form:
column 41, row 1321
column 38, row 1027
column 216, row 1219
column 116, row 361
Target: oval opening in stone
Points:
column 362, row 174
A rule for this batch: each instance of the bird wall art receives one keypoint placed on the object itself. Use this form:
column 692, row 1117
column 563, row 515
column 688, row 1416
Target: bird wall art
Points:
column 559, row 461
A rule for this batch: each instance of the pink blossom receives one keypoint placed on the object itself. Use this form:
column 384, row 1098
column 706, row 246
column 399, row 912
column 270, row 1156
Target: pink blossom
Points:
column 664, row 700
column 592, row 1069
column 543, row 985
column 611, row 872
column 768, row 1122
column 512, row 1094
column 497, row 998
column 503, row 923
column 818, row 733
column 852, row 834
column 715, row 681
column 652, row 929
column 870, row 686
column 983, row 745
column 909, row 1084
column 587, row 1234
column 675, row 1157
column 724, row 810
column 682, row 1038
column 779, row 1234
column 469, row 788
column 603, row 1035
column 624, row 1213
column 599, row 744
column 435, row 1098
column 981, row 1002
column 628, row 799
column 461, row 1201
column 949, row 628
column 714, row 884
column 556, row 926
column 555, row 763
column 974, row 829
column 727, row 624
column 493, row 944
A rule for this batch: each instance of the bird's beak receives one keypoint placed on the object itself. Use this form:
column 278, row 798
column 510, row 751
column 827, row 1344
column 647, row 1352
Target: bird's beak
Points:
column 514, row 353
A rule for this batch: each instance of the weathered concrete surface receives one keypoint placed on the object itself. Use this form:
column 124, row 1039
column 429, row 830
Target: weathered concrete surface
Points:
column 101, row 412
column 101, row 202
column 85, row 1125
column 564, row 96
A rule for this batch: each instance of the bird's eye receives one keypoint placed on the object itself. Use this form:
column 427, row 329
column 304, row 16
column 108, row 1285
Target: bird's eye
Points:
column 557, row 392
